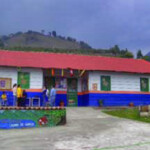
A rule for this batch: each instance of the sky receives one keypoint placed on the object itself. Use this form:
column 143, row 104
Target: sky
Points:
column 100, row 23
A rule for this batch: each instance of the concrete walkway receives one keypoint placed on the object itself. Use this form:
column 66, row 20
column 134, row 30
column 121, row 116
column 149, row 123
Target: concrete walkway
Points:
column 86, row 129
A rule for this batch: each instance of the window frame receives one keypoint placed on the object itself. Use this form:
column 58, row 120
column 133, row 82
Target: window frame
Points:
column 18, row 80
column 147, row 85
column 107, row 76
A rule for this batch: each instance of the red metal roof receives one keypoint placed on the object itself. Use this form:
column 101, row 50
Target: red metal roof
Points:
column 73, row 61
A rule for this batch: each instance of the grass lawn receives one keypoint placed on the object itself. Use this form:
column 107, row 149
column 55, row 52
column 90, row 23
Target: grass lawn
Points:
column 129, row 113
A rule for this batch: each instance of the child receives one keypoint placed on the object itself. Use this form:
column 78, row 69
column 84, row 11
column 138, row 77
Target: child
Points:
column 19, row 95
column 24, row 98
column 4, row 99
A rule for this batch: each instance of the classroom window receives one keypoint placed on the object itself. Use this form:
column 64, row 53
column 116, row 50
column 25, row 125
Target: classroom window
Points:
column 105, row 83
column 144, row 84
column 24, row 79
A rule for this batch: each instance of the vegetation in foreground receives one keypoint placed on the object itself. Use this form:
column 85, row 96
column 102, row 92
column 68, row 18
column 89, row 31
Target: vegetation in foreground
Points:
column 129, row 113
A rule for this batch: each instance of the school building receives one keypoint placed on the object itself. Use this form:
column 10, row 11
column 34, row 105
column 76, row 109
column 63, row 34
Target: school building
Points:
column 79, row 80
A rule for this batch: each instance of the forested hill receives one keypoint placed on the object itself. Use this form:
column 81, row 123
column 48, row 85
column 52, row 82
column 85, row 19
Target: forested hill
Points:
column 40, row 39
column 51, row 42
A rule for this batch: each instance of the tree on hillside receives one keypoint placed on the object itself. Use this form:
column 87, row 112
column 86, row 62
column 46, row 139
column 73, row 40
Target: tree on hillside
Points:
column 128, row 55
column 4, row 37
column 69, row 38
column 147, row 58
column 43, row 31
column 123, row 52
column 49, row 33
column 115, row 50
column 18, row 33
column 54, row 33
column 29, row 32
column 1, row 44
column 139, row 54
column 84, row 45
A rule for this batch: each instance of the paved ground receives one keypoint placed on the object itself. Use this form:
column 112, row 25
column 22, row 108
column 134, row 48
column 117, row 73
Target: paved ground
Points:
column 86, row 129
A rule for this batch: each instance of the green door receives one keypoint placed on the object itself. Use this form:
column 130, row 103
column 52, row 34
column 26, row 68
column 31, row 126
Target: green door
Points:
column 72, row 92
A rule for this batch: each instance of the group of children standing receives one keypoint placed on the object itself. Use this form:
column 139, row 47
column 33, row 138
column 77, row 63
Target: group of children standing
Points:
column 19, row 96
column 49, row 97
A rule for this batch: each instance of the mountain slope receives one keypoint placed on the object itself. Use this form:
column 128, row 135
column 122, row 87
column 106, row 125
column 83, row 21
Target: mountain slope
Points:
column 35, row 39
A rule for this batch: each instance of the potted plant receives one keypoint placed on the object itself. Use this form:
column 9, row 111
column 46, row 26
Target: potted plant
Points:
column 131, row 104
column 61, row 104
column 100, row 102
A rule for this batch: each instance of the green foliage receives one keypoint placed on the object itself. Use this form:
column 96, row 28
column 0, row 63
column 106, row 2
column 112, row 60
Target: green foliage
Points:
column 85, row 45
column 139, row 54
column 147, row 58
column 102, row 52
column 54, row 33
column 128, row 55
column 115, row 50
column 128, row 113
column 31, row 40
column 1, row 44
column 54, row 116
column 100, row 102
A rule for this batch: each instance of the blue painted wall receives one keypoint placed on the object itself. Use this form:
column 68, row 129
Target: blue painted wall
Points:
column 59, row 97
column 29, row 94
column 92, row 99
column 119, row 99
column 83, row 100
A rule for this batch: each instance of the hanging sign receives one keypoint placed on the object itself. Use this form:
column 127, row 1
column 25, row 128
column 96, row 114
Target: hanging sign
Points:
column 71, row 72
column 62, row 72
column 53, row 72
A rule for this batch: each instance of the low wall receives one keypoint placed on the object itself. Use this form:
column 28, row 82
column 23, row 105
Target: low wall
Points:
column 29, row 117
column 110, row 99
column 92, row 99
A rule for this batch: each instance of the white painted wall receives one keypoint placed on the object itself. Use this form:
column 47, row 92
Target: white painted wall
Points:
column 119, row 81
column 6, row 72
column 36, row 76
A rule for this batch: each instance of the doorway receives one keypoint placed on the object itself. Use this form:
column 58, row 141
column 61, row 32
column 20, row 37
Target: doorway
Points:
column 72, row 96
column 49, row 82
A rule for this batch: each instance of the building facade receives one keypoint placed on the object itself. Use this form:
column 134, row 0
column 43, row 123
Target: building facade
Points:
column 79, row 80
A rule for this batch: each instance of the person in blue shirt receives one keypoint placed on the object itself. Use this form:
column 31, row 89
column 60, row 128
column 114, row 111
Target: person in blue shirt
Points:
column 52, row 96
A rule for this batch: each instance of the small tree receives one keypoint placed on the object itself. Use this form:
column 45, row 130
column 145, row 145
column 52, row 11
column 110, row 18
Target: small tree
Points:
column 49, row 34
column 128, row 55
column 147, row 58
column 115, row 50
column 1, row 44
column 54, row 33
column 139, row 54
column 43, row 31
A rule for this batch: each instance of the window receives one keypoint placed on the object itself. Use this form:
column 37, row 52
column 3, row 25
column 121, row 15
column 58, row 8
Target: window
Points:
column 105, row 83
column 24, row 80
column 61, row 83
column 144, row 84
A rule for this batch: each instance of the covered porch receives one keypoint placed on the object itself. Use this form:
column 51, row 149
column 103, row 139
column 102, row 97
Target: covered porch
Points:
column 70, row 85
